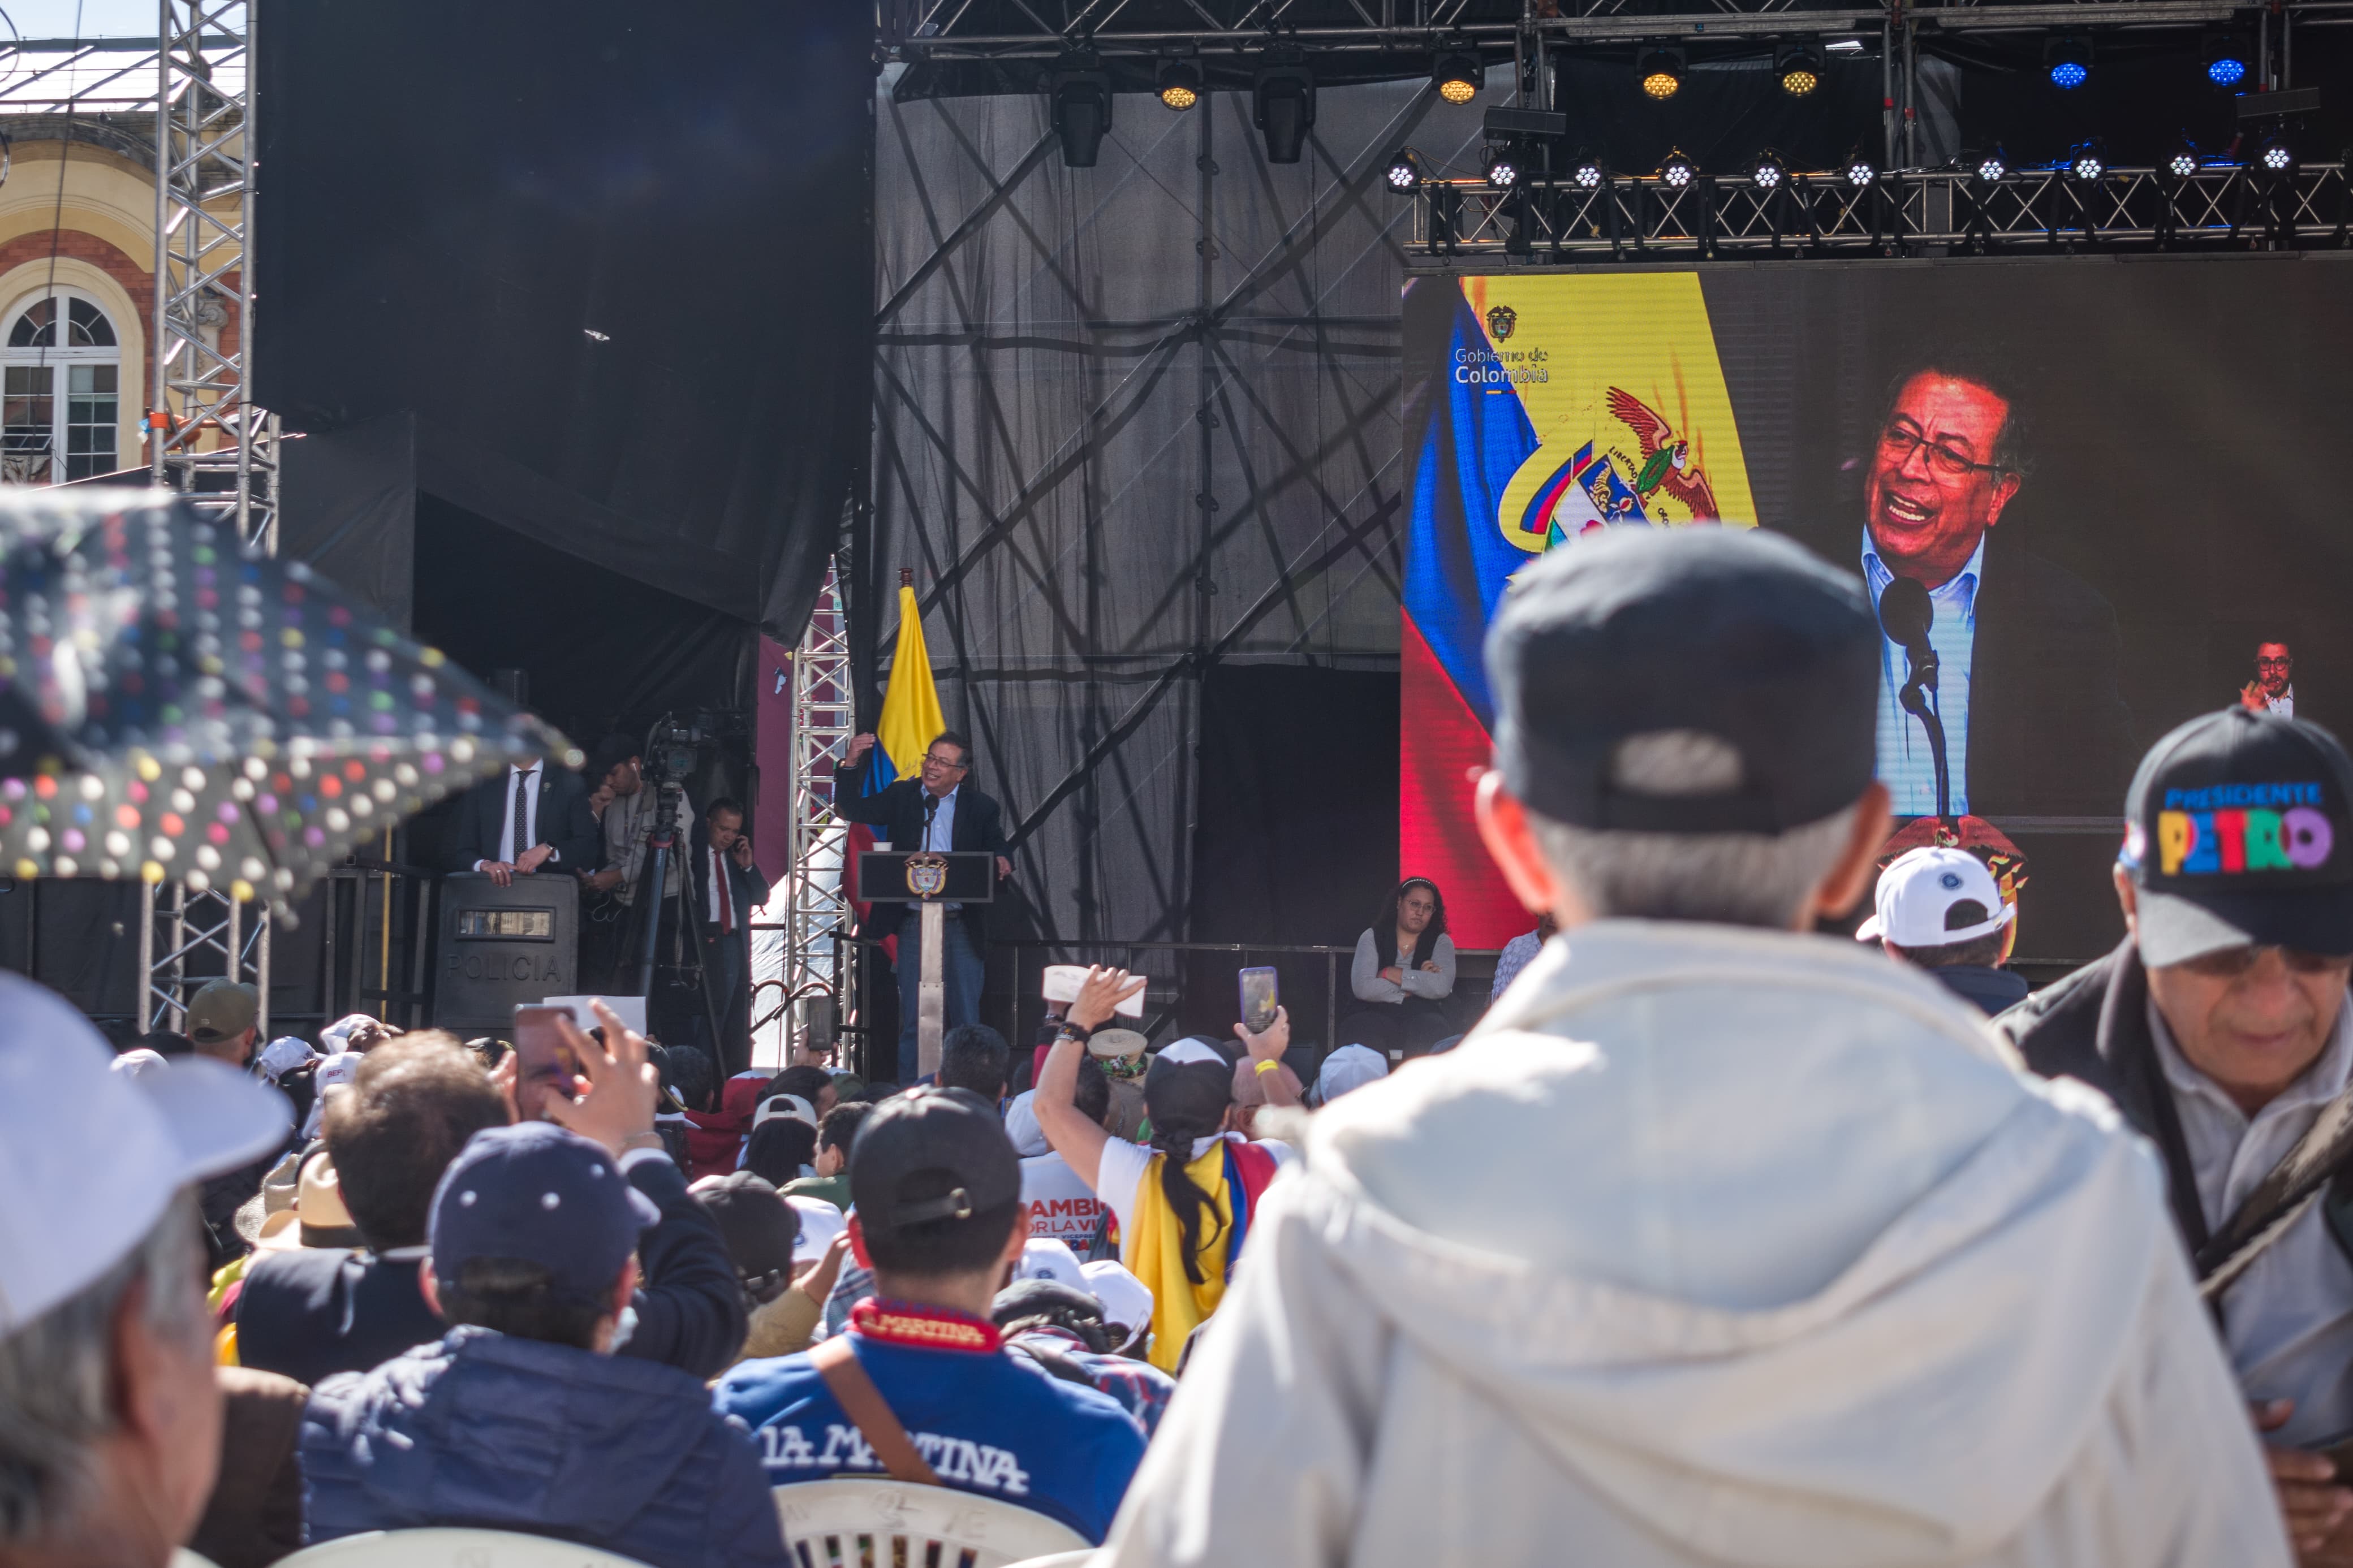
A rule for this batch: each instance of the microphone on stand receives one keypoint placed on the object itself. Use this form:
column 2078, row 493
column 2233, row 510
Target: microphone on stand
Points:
column 1905, row 614
column 932, row 809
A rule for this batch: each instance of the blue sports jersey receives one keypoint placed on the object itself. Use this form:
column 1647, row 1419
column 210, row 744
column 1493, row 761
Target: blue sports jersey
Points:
column 989, row 1421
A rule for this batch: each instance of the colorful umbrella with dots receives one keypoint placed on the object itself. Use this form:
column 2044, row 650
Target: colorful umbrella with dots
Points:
column 174, row 709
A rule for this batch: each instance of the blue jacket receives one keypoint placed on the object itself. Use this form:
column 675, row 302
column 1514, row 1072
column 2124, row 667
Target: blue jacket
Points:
column 989, row 1422
column 484, row 1430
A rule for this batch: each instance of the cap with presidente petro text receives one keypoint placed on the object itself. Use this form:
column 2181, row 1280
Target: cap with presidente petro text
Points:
column 1727, row 632
column 2237, row 835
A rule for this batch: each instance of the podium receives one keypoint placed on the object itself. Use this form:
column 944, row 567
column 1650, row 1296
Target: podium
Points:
column 931, row 880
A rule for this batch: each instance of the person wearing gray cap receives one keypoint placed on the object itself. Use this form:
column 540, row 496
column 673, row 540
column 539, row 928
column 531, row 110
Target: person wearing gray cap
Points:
column 1754, row 1247
column 2219, row 1026
column 109, row 1418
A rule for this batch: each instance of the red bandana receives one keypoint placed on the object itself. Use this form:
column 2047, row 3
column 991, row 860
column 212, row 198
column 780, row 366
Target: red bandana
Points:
column 927, row 1328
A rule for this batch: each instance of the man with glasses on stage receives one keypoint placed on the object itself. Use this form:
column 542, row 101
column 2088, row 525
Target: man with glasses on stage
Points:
column 2025, row 651
column 939, row 811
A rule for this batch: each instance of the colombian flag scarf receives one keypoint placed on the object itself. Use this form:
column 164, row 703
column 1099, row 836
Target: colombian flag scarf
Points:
column 1157, row 1254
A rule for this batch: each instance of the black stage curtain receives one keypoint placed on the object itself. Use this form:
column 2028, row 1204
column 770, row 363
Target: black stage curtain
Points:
column 616, row 265
column 1295, row 840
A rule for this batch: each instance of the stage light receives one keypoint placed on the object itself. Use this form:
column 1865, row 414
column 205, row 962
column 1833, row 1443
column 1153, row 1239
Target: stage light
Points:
column 1660, row 71
column 1082, row 114
column 1586, row 172
column 1989, row 168
column 1180, row 84
column 2277, row 158
column 1859, row 171
column 1283, row 108
column 2086, row 164
column 2225, row 60
column 1502, row 169
column 1404, row 171
column 1800, row 66
column 2069, row 62
column 1458, row 75
column 2183, row 163
column 1767, row 173
column 1678, row 172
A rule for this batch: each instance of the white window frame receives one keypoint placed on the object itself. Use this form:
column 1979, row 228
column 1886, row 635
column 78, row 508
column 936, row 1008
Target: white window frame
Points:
column 14, row 470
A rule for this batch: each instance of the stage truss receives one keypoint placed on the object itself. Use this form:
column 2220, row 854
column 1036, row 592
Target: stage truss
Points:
column 818, row 988
column 206, row 437
column 1909, row 213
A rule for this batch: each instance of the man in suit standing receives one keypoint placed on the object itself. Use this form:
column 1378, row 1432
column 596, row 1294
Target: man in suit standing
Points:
column 2027, row 651
column 933, row 811
column 726, row 891
column 527, row 819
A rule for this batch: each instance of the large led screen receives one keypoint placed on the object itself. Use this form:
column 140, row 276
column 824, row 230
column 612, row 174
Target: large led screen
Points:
column 2105, row 493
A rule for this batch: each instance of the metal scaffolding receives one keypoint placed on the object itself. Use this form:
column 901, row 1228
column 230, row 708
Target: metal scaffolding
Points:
column 819, row 992
column 186, row 939
column 206, row 437
column 1910, row 213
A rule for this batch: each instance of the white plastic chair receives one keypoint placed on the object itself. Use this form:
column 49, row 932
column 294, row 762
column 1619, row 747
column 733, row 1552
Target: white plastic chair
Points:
column 454, row 1549
column 849, row 1523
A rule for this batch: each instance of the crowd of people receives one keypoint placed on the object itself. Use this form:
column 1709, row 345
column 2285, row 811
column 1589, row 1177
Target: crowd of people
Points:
column 1715, row 1241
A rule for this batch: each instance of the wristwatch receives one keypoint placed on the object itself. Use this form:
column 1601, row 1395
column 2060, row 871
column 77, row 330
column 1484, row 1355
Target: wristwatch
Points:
column 1069, row 1031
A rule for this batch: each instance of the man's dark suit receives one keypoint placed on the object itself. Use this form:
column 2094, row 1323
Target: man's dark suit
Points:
column 564, row 822
column 727, row 959
column 896, row 813
column 2049, row 734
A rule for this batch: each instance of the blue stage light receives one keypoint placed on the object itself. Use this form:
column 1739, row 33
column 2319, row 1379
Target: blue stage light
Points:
column 2226, row 73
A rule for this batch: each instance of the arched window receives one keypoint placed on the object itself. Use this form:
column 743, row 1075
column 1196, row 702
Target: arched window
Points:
column 45, row 437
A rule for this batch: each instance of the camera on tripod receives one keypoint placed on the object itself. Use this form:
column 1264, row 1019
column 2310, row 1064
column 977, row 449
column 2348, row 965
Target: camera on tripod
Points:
column 673, row 748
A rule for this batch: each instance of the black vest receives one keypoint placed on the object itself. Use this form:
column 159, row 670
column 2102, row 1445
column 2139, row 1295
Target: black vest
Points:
column 315, row 1311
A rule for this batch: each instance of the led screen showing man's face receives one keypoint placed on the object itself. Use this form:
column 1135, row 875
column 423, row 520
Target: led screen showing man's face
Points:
column 1933, row 489
column 2275, row 669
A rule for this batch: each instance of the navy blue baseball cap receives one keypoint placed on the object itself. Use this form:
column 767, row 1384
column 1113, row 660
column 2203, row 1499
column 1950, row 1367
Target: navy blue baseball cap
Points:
column 929, row 1154
column 2238, row 833
column 1728, row 632
column 539, row 1194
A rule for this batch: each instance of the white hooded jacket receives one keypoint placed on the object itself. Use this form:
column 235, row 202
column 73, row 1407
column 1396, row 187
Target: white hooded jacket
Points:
column 1711, row 1246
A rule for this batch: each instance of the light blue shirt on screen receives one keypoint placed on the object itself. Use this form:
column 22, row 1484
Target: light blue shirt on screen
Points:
column 1906, row 766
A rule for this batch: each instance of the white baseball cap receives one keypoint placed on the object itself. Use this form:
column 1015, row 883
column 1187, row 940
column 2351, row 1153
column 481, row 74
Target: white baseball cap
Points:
column 1045, row 1259
column 1934, row 897
column 791, row 1105
column 820, row 1222
column 1021, row 1126
column 1126, row 1300
column 70, row 1217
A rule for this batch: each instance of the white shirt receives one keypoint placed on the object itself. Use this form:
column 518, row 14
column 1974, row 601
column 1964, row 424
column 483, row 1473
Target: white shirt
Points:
column 1125, row 1166
column 2287, row 1322
column 720, row 883
column 508, row 847
column 1906, row 765
column 1062, row 1207
column 2284, row 704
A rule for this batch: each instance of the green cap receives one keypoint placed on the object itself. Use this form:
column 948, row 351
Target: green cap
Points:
column 222, row 1010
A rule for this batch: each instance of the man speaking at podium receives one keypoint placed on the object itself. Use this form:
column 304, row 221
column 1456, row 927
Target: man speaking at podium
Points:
column 933, row 811
column 2026, row 651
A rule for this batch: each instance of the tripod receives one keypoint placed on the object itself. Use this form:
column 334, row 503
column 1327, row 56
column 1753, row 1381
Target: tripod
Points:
column 660, row 845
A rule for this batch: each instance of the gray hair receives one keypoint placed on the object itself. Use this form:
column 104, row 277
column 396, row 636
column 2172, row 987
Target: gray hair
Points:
column 1730, row 878
column 57, row 1372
